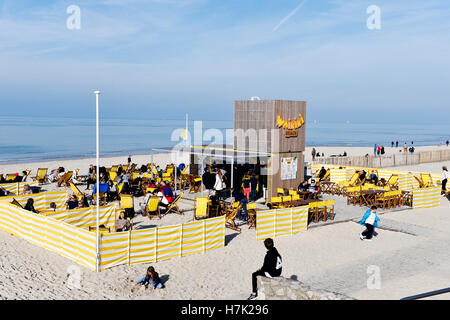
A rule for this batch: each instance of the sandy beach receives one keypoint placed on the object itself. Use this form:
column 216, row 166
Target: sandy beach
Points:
column 410, row 251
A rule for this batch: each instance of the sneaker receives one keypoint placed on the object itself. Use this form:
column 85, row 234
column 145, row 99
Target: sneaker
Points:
column 365, row 239
column 252, row 296
column 361, row 236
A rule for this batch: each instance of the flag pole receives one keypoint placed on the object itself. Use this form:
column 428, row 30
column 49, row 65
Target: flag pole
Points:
column 97, row 260
column 187, row 130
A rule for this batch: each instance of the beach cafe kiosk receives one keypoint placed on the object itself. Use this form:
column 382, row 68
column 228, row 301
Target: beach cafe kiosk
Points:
column 269, row 139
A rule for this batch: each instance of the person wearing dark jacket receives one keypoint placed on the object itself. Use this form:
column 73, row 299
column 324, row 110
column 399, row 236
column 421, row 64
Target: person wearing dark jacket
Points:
column 272, row 266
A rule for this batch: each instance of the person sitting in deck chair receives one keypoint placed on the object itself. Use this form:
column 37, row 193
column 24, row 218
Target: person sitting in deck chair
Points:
column 272, row 266
column 322, row 173
column 362, row 175
column 314, row 189
column 26, row 190
column 373, row 177
column 122, row 224
column 30, row 206
column 165, row 188
column 72, row 202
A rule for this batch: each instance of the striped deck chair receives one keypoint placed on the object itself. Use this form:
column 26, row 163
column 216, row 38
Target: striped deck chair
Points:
column 173, row 207
column 201, row 208
column 152, row 207
column 131, row 168
column 10, row 177
column 64, row 180
column 230, row 218
column 76, row 191
column 41, row 175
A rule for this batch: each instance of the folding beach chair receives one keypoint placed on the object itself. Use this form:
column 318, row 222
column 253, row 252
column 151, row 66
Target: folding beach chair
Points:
column 26, row 175
column 64, row 180
column 173, row 207
column 201, row 208
column 76, row 191
column 251, row 212
column 16, row 203
column 10, row 177
column 230, row 218
column 329, row 210
column 131, row 168
column 280, row 192
column 276, row 202
column 152, row 207
column 41, row 175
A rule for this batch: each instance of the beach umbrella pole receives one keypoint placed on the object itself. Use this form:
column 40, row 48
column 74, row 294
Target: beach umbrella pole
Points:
column 97, row 93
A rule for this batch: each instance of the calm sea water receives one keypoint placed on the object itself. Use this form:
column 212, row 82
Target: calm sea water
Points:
column 31, row 139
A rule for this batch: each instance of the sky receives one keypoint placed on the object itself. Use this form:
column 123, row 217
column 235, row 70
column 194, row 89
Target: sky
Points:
column 160, row 59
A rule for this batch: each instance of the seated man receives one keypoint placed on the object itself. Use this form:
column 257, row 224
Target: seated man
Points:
column 362, row 175
column 313, row 188
column 272, row 266
column 373, row 177
column 322, row 173
column 303, row 186
column 163, row 202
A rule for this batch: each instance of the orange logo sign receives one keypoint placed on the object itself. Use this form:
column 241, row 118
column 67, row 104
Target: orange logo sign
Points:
column 290, row 125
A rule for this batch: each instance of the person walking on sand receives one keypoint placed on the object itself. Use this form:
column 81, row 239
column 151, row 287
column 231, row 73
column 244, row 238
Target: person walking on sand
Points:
column 375, row 150
column 272, row 266
column 445, row 176
column 370, row 221
column 396, row 144
column 447, row 142
column 313, row 153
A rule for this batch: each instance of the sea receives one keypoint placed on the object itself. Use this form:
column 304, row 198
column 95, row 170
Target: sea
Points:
column 43, row 139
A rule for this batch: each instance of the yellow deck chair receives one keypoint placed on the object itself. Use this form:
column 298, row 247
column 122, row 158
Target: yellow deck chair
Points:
column 280, row 191
column 126, row 201
column 286, row 201
column 230, row 218
column 276, row 202
column 329, row 210
column 125, row 168
column 113, row 175
column 114, row 168
column 173, row 207
column 64, row 180
column 41, row 175
column 76, row 191
column 427, row 179
column 295, row 197
column 326, row 175
column 292, row 192
column 10, row 177
column 152, row 207
column 201, row 208
column 393, row 182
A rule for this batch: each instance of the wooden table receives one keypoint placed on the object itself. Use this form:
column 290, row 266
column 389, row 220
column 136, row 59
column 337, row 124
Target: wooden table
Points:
column 368, row 197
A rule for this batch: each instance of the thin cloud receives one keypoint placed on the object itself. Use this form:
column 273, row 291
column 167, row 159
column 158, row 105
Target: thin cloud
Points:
column 289, row 15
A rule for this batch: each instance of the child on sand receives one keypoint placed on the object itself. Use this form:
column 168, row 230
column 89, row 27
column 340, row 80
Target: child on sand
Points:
column 370, row 221
column 151, row 277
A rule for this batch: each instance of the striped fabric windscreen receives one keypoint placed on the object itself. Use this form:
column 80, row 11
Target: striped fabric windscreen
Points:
column 41, row 200
column 279, row 222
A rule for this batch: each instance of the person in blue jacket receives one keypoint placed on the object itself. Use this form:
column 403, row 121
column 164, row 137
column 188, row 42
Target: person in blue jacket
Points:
column 370, row 221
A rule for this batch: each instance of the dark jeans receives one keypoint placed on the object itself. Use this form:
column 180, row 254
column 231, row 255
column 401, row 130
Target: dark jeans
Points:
column 254, row 280
column 244, row 207
column 368, row 233
column 253, row 195
column 444, row 185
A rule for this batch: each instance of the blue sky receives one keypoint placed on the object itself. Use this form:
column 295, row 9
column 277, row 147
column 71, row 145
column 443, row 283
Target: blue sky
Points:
column 162, row 58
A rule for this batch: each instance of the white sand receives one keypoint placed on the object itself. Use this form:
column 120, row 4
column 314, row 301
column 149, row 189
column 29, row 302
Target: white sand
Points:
column 330, row 257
